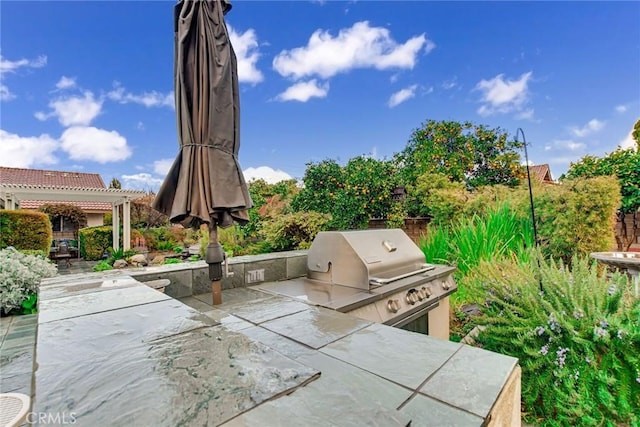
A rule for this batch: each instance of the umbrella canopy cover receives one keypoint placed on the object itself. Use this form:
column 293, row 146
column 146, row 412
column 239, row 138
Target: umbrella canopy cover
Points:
column 205, row 182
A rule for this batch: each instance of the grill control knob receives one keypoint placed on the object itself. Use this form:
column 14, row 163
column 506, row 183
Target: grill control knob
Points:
column 412, row 297
column 446, row 286
column 393, row 305
column 427, row 291
column 421, row 294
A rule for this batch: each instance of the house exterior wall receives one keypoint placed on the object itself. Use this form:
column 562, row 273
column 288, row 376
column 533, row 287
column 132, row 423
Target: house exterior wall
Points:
column 95, row 219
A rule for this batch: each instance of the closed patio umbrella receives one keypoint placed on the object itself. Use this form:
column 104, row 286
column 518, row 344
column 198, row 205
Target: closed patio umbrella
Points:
column 205, row 184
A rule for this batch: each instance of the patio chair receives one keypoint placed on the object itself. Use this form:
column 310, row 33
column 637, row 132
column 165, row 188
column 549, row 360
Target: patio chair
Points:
column 63, row 253
column 13, row 409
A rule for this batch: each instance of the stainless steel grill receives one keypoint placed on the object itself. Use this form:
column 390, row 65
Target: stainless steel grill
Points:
column 377, row 275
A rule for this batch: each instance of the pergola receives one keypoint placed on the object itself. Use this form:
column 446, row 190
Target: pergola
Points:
column 12, row 194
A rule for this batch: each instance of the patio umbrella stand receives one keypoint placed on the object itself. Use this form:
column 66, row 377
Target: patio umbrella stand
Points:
column 205, row 184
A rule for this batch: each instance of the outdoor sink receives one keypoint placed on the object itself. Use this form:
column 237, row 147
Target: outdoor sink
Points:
column 629, row 261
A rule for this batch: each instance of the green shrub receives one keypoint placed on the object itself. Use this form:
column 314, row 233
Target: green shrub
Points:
column 20, row 276
column 102, row 266
column 578, row 217
column 578, row 342
column 25, row 230
column 95, row 241
column 172, row 261
column 165, row 246
column 295, row 230
column 502, row 232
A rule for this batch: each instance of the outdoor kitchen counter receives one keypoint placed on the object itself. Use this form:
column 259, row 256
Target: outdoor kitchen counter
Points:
column 111, row 351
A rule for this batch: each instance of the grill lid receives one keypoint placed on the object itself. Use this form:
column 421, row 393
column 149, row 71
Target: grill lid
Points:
column 360, row 258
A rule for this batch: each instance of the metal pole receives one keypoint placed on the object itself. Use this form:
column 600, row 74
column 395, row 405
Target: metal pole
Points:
column 215, row 258
column 533, row 211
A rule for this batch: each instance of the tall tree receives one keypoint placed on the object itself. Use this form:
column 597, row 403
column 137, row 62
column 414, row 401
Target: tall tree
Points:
column 464, row 152
column 115, row 184
column 624, row 164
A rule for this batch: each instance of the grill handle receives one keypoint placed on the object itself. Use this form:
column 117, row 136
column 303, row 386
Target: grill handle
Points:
column 381, row 281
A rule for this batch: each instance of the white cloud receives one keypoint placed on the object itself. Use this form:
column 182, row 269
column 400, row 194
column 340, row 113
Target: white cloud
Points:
column 72, row 111
column 148, row 99
column 141, row 181
column 140, row 126
column 270, row 175
column 621, row 108
column 303, row 91
column 402, row 95
column 7, row 66
column 162, row 166
column 5, row 93
column 245, row 46
column 360, row 46
column 503, row 96
column 569, row 144
column 98, row 145
column 628, row 142
column 66, row 83
column 450, row 84
column 24, row 152
column 592, row 126
column 525, row 114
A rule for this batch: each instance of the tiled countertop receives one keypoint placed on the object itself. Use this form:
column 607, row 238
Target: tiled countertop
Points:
column 115, row 352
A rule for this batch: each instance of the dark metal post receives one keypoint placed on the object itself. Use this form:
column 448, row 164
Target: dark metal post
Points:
column 215, row 257
column 533, row 211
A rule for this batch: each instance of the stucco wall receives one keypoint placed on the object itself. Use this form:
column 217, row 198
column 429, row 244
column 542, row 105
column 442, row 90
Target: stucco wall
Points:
column 95, row 219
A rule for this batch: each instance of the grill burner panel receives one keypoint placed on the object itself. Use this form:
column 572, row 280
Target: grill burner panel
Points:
column 377, row 275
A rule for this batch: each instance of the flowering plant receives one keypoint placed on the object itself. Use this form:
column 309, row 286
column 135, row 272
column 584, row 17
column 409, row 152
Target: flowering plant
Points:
column 578, row 340
column 20, row 276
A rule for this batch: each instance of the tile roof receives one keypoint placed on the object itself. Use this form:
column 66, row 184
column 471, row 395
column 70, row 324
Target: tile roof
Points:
column 50, row 178
column 85, row 206
column 542, row 172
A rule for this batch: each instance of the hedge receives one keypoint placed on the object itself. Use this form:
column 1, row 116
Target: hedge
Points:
column 95, row 241
column 25, row 230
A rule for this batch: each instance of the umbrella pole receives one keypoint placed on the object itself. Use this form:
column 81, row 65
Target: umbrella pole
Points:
column 215, row 258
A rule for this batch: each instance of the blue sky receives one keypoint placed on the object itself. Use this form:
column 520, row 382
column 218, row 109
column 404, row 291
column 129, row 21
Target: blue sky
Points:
column 88, row 86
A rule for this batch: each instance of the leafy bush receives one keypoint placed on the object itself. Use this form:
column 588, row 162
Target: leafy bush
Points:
column 23, row 229
column 464, row 152
column 624, row 164
column 578, row 217
column 165, row 246
column 103, row 266
column 172, row 261
column 76, row 215
column 502, row 232
column 95, row 241
column 20, row 276
column 295, row 230
column 352, row 194
column 578, row 341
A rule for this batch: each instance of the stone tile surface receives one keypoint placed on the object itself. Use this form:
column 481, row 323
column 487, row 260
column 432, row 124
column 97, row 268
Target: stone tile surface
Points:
column 471, row 380
column 277, row 342
column 83, row 286
column 227, row 320
column 232, row 296
column 196, row 303
column 376, row 349
column 425, row 411
column 337, row 398
column 262, row 310
column 95, row 302
column 315, row 327
column 94, row 335
column 202, row 377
